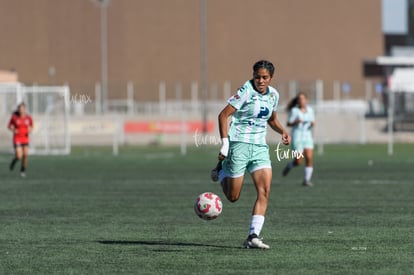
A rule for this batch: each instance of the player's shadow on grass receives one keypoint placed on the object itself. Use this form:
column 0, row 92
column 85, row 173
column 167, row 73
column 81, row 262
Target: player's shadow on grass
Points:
column 163, row 243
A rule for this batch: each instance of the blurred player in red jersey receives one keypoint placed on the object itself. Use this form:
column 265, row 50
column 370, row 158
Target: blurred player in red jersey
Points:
column 21, row 124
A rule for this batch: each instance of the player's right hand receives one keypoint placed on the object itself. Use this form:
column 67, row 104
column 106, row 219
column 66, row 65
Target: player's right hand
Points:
column 221, row 157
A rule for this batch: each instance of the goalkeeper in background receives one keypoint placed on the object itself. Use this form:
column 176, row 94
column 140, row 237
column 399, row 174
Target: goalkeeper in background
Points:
column 21, row 124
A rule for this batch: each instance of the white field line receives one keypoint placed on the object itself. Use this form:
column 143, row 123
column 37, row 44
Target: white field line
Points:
column 380, row 181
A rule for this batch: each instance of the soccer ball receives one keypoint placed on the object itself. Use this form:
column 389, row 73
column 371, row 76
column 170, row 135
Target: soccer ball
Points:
column 208, row 206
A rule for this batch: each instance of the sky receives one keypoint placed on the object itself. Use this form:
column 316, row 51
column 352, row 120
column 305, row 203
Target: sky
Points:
column 394, row 16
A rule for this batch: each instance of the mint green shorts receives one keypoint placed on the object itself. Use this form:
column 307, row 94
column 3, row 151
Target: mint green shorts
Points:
column 245, row 156
column 299, row 144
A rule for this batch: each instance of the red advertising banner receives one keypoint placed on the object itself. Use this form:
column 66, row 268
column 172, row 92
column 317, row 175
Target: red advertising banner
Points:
column 170, row 127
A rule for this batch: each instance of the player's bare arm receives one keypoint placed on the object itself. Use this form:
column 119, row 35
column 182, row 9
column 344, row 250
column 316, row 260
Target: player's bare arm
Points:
column 296, row 122
column 13, row 129
column 223, row 120
column 275, row 124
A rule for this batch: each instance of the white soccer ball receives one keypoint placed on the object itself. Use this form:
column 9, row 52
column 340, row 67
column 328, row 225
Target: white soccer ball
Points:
column 208, row 206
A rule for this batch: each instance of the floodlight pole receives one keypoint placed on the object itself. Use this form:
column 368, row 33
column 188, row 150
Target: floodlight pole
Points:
column 103, row 5
column 203, row 68
column 390, row 122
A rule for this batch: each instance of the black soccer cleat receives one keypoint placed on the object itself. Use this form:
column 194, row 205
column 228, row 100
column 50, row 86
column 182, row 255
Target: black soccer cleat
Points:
column 215, row 172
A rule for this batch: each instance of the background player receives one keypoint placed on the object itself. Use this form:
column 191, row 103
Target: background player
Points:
column 21, row 124
column 244, row 144
column 302, row 120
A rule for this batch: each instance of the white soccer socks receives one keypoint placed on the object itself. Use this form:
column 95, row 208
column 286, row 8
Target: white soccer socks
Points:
column 256, row 224
column 308, row 173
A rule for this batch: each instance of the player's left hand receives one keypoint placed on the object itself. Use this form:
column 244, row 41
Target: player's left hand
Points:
column 285, row 138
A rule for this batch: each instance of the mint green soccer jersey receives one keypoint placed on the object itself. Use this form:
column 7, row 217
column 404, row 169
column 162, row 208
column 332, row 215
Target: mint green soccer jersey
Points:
column 302, row 132
column 253, row 110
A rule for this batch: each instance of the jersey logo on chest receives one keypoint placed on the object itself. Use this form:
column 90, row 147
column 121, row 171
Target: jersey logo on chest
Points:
column 264, row 112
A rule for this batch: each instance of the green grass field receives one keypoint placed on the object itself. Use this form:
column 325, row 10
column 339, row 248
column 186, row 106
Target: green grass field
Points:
column 92, row 213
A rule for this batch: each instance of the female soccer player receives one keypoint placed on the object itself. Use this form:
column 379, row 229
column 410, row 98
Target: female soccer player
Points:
column 21, row 124
column 302, row 120
column 244, row 144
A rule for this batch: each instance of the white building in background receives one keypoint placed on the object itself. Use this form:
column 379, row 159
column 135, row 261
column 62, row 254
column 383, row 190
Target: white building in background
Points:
column 402, row 80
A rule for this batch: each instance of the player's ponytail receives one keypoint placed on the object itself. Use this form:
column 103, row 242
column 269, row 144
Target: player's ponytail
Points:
column 16, row 112
column 292, row 103
column 295, row 101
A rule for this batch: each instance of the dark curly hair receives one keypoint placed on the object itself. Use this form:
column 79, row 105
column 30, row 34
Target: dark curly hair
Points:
column 264, row 64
